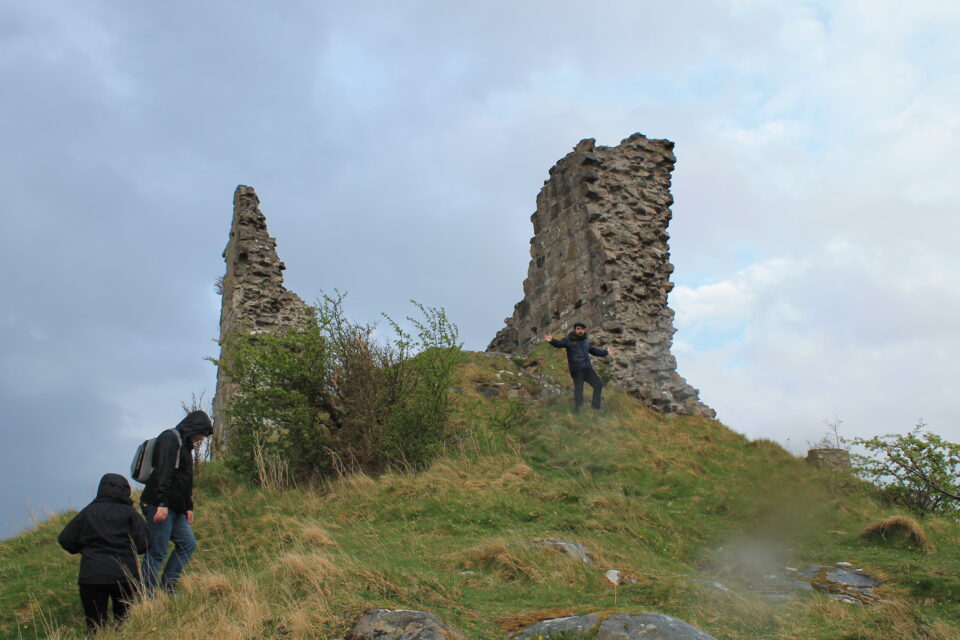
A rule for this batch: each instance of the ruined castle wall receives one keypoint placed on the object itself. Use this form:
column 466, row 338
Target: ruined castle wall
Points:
column 254, row 298
column 599, row 255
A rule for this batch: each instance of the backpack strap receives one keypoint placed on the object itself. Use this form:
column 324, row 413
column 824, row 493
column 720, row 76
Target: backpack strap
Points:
column 176, row 465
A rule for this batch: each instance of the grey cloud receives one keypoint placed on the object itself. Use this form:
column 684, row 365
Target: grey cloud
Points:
column 397, row 151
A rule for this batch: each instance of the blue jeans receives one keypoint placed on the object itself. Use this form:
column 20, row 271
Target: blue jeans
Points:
column 176, row 529
column 590, row 377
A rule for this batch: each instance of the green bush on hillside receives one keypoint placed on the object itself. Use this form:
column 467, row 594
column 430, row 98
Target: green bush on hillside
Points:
column 918, row 471
column 330, row 397
column 419, row 413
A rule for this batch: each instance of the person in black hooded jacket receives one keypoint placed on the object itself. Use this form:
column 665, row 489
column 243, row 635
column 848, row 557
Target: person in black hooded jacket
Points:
column 579, row 351
column 167, row 500
column 109, row 533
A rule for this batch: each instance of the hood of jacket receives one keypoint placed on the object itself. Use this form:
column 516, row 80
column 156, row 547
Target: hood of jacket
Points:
column 195, row 423
column 114, row 486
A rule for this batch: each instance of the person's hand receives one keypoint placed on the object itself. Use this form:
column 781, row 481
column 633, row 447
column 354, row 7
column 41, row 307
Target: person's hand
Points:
column 548, row 337
column 160, row 515
column 612, row 352
column 189, row 517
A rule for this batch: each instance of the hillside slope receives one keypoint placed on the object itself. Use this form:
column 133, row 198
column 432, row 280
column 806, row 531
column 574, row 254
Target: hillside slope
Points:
column 679, row 505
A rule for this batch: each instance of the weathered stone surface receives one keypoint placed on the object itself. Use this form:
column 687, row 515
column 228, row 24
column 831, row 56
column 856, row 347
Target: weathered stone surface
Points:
column 572, row 549
column 650, row 626
column 618, row 578
column 253, row 296
column 842, row 582
column 599, row 255
column 582, row 625
column 507, row 385
column 401, row 624
column 829, row 458
column 619, row 626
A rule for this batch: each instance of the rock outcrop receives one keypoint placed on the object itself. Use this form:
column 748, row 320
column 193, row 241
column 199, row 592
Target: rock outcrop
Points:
column 402, row 624
column 253, row 296
column 599, row 255
column 619, row 626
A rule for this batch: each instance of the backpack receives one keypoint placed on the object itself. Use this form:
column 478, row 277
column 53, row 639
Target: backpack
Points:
column 142, row 466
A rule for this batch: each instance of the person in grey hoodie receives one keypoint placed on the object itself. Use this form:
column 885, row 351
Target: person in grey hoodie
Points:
column 167, row 501
column 579, row 351
column 109, row 534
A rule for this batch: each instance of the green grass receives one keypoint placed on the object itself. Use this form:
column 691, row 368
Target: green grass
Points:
column 671, row 502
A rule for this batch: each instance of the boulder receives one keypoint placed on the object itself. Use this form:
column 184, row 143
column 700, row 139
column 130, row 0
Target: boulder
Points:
column 580, row 625
column 401, row 624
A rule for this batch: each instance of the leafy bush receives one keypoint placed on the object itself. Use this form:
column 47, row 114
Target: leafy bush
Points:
column 419, row 409
column 916, row 470
column 330, row 397
column 283, row 406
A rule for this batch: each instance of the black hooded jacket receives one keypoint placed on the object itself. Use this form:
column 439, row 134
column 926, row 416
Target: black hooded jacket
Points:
column 169, row 486
column 109, row 533
column 579, row 351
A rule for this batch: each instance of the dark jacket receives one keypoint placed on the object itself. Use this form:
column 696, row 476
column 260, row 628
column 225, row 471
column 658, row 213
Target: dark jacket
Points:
column 579, row 350
column 168, row 486
column 109, row 533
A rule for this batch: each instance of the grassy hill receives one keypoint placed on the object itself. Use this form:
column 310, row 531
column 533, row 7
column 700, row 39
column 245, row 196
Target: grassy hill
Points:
column 674, row 503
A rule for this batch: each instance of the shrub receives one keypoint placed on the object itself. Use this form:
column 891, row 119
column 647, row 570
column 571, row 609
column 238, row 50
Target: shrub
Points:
column 918, row 471
column 329, row 397
column 509, row 417
column 419, row 409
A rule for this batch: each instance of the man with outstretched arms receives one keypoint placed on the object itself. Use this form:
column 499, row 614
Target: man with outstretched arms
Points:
column 579, row 351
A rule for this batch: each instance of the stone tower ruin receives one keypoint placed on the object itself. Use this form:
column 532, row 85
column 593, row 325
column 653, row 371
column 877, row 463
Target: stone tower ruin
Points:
column 254, row 298
column 599, row 255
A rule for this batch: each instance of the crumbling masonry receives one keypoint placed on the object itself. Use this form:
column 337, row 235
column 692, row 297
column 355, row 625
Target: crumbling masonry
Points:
column 254, row 298
column 599, row 255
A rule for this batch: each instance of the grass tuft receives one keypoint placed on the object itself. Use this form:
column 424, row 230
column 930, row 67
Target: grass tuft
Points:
column 317, row 537
column 207, row 585
column 898, row 530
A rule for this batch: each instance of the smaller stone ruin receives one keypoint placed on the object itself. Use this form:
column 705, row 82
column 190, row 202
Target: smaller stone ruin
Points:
column 829, row 458
column 254, row 298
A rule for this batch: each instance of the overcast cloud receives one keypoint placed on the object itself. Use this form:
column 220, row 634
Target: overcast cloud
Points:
column 398, row 149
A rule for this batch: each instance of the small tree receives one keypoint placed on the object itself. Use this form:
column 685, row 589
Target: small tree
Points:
column 832, row 438
column 916, row 470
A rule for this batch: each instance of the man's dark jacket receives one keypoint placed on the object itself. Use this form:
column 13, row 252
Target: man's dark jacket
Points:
column 109, row 533
column 579, row 351
column 169, row 485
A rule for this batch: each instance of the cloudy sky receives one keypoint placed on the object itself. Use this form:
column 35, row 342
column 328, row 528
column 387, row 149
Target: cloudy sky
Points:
column 398, row 148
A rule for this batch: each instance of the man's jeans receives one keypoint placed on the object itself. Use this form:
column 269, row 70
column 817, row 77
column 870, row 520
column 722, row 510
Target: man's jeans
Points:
column 175, row 529
column 589, row 376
